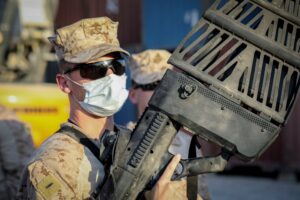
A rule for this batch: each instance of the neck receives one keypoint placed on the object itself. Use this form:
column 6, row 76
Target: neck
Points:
column 93, row 127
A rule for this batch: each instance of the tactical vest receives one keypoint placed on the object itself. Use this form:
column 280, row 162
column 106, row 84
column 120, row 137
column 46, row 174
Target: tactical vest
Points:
column 111, row 144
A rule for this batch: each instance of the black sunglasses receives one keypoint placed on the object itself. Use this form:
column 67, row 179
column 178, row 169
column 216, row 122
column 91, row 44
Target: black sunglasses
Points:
column 98, row 70
column 145, row 87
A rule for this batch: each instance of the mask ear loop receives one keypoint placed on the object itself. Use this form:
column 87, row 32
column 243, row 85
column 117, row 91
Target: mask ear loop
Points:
column 65, row 76
column 78, row 84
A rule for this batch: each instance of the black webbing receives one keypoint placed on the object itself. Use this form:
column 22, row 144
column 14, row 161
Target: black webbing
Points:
column 81, row 138
column 192, row 181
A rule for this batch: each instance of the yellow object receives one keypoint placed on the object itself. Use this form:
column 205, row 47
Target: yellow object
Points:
column 42, row 106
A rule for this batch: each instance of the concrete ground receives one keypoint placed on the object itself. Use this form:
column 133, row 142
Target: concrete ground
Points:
column 228, row 187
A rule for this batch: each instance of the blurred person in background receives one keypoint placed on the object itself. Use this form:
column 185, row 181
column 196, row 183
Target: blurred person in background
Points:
column 92, row 73
column 16, row 146
column 147, row 69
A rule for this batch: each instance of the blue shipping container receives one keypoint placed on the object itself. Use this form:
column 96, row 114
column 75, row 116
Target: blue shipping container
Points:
column 166, row 22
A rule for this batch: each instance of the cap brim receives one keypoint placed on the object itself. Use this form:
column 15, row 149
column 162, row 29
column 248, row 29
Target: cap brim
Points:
column 93, row 54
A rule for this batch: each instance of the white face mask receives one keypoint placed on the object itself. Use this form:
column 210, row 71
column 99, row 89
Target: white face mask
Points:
column 105, row 96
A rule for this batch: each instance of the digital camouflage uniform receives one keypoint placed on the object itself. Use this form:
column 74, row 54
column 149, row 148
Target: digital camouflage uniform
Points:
column 149, row 67
column 62, row 168
column 16, row 145
column 87, row 40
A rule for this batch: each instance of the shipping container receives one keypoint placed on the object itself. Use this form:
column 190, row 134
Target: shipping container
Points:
column 143, row 24
column 165, row 23
column 127, row 13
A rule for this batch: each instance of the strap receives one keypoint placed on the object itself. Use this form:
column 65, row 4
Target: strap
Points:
column 116, row 144
column 192, row 181
column 106, row 151
column 81, row 138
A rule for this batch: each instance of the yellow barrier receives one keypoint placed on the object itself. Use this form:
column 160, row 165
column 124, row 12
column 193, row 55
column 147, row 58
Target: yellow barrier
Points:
column 42, row 106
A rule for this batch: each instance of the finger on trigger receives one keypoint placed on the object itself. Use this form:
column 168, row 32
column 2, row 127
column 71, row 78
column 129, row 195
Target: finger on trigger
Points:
column 167, row 175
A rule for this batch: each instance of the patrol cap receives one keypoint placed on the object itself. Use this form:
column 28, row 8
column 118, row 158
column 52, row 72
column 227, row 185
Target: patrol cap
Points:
column 86, row 40
column 149, row 66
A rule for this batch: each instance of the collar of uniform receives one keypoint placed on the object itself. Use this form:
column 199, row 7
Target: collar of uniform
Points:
column 69, row 124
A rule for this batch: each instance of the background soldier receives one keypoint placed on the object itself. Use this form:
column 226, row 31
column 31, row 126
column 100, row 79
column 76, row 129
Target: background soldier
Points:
column 15, row 148
column 147, row 69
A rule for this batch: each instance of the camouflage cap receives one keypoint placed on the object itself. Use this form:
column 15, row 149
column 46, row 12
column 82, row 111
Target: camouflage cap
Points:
column 149, row 66
column 86, row 40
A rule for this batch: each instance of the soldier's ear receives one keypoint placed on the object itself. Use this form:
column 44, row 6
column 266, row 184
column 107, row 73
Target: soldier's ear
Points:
column 133, row 96
column 62, row 83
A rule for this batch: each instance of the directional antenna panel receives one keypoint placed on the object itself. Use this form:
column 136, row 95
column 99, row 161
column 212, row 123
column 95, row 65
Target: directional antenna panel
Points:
column 247, row 51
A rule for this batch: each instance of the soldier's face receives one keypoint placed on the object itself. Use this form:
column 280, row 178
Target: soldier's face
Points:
column 67, row 86
column 140, row 98
column 77, row 90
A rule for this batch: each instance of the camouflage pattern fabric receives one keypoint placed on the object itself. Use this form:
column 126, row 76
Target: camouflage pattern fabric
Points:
column 149, row 66
column 87, row 40
column 61, row 168
column 16, row 146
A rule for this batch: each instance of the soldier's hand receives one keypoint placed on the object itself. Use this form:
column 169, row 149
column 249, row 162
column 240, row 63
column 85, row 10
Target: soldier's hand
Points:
column 167, row 189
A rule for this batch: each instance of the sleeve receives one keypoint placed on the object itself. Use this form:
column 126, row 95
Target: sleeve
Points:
column 43, row 183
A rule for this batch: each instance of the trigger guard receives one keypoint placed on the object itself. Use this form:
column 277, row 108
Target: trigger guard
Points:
column 180, row 170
